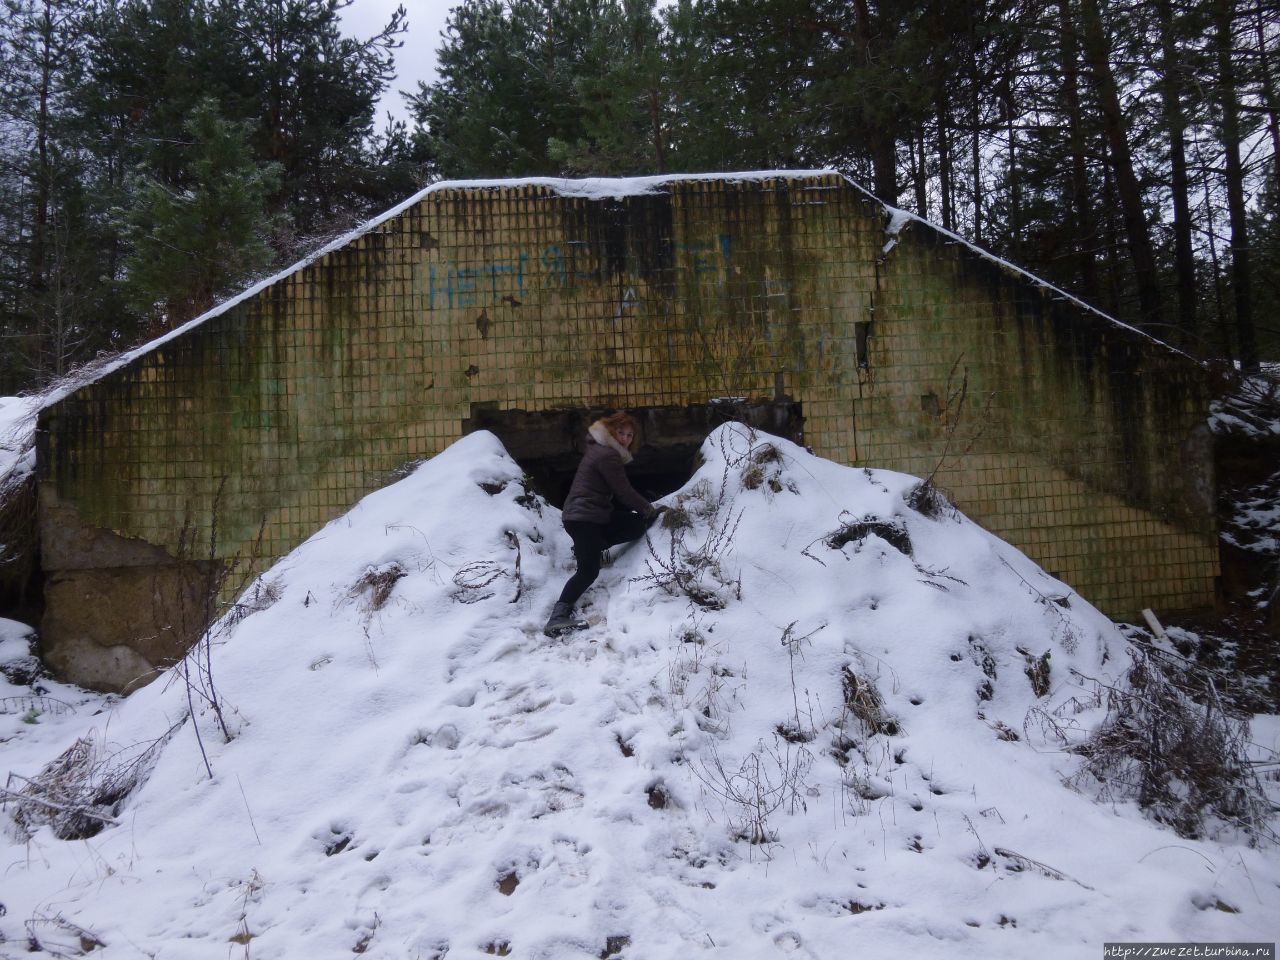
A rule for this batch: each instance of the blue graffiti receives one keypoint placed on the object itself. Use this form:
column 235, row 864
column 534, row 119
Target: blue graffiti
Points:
column 473, row 286
column 559, row 265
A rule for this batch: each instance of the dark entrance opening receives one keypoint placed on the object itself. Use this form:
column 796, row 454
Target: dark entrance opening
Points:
column 549, row 444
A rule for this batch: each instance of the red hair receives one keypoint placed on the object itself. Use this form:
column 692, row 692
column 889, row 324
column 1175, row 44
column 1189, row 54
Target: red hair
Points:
column 616, row 421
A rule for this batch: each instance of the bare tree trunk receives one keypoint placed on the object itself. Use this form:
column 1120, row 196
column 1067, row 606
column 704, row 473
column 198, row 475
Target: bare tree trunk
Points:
column 1015, row 184
column 920, row 174
column 975, row 122
column 1229, row 105
column 43, row 178
column 945, row 180
column 1098, row 56
column 1219, row 299
column 974, row 68
column 1269, row 101
column 880, row 139
column 1080, row 220
column 1175, row 128
column 1111, row 236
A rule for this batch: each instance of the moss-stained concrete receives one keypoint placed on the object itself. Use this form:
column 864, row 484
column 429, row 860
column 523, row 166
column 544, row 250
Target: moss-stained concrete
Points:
column 1077, row 439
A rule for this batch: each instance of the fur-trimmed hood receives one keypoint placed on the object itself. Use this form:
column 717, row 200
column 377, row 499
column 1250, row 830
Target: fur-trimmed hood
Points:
column 601, row 480
column 601, row 435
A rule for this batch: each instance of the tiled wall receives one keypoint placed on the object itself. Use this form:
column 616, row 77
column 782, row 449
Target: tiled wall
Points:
column 277, row 415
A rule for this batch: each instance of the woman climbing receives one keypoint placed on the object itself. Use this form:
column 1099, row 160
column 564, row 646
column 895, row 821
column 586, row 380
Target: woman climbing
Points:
column 591, row 517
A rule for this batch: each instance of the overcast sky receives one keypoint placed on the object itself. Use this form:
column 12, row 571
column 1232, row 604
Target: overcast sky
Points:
column 416, row 60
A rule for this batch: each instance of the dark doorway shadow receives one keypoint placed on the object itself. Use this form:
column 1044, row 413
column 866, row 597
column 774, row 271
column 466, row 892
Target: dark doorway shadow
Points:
column 549, row 444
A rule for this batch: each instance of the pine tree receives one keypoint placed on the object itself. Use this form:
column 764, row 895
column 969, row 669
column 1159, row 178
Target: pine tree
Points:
column 50, row 263
column 314, row 95
column 191, row 244
column 621, row 95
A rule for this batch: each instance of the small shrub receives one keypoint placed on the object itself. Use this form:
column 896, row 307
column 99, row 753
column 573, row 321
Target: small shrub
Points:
column 264, row 595
column 694, row 569
column 926, row 499
column 80, row 792
column 768, row 779
column 1169, row 743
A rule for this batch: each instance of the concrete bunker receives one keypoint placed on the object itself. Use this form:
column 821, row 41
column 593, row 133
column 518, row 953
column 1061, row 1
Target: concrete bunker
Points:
column 528, row 307
column 548, row 444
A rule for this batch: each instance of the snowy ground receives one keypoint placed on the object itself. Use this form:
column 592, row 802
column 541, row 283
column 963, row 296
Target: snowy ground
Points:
column 837, row 749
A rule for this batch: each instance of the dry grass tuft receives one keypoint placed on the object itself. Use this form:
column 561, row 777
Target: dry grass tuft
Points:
column 863, row 701
column 892, row 532
column 377, row 584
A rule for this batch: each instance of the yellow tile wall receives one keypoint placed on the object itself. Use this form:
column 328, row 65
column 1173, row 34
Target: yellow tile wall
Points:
column 278, row 414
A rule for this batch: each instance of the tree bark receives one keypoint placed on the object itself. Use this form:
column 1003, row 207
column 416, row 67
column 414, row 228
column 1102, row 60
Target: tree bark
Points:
column 40, row 218
column 1219, row 299
column 1080, row 221
column 975, row 158
column 1269, row 100
column 945, row 180
column 1098, row 56
column 880, row 139
column 1015, row 181
column 1229, row 105
column 1175, row 129
column 1111, row 237
column 920, row 174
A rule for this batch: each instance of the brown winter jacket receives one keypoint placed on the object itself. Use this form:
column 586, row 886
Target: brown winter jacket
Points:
column 600, row 478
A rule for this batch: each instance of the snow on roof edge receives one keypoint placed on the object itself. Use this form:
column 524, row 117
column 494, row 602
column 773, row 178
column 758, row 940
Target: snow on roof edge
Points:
column 591, row 188
column 899, row 219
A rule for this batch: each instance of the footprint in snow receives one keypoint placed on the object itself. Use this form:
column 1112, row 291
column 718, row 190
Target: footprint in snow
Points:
column 788, row 941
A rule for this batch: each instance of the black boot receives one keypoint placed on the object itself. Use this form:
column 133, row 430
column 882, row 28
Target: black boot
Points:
column 562, row 620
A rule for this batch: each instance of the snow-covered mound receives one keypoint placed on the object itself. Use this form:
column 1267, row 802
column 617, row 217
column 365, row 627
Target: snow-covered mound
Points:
column 798, row 724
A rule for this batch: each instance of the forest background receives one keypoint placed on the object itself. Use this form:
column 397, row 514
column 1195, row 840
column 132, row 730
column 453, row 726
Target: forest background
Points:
column 157, row 155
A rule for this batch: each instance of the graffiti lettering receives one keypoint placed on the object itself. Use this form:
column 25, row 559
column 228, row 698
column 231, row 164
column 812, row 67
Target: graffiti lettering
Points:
column 488, row 283
column 704, row 258
column 562, row 263
column 494, row 282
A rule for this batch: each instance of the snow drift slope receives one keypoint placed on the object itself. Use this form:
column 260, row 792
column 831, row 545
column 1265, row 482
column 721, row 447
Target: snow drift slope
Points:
column 794, row 727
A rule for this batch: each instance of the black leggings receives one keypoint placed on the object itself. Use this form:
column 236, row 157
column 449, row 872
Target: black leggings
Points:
column 590, row 540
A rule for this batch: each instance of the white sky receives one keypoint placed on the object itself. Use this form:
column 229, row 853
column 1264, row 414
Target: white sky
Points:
column 416, row 60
